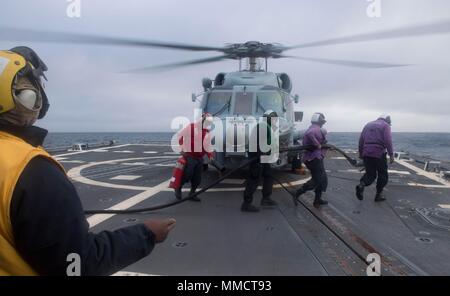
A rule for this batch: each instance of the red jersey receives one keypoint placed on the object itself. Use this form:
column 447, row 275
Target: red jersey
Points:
column 193, row 143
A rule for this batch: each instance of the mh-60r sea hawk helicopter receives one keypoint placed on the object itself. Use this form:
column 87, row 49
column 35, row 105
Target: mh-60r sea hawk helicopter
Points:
column 239, row 99
column 252, row 89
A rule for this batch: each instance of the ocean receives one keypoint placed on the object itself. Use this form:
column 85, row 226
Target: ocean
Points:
column 431, row 145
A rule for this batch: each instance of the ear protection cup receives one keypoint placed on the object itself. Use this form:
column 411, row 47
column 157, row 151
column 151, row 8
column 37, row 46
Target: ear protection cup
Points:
column 45, row 104
column 28, row 98
column 34, row 72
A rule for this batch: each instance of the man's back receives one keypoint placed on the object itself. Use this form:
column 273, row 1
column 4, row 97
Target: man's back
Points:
column 375, row 139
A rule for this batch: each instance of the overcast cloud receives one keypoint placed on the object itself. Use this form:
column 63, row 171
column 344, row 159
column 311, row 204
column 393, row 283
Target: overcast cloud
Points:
column 87, row 92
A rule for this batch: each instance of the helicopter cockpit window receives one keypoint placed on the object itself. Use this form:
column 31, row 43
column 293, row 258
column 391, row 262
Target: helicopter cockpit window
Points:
column 243, row 103
column 218, row 103
column 270, row 100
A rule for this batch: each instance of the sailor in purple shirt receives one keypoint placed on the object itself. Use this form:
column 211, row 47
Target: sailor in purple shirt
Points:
column 375, row 143
column 315, row 137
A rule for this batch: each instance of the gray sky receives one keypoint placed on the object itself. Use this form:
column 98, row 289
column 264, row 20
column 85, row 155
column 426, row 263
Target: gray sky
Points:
column 88, row 93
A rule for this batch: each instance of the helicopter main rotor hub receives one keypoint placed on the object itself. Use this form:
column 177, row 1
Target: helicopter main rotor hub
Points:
column 253, row 49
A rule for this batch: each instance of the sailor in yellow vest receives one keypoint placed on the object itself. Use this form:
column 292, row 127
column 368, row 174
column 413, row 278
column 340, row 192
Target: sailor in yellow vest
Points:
column 41, row 217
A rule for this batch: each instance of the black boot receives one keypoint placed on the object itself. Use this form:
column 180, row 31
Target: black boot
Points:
column 248, row 207
column 268, row 202
column 379, row 197
column 196, row 198
column 319, row 202
column 360, row 191
column 178, row 193
column 299, row 192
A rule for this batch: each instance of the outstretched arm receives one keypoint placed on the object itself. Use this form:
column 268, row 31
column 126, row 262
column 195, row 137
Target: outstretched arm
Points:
column 49, row 223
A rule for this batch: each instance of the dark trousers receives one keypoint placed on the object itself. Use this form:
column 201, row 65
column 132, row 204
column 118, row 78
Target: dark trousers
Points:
column 257, row 170
column 192, row 172
column 375, row 167
column 319, row 178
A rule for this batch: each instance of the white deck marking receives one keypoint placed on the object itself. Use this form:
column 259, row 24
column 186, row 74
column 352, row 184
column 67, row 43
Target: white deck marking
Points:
column 428, row 185
column 153, row 145
column 126, row 177
column 232, row 189
column 135, row 163
column 123, row 151
column 71, row 161
column 165, row 164
column 75, row 173
column 338, row 157
column 131, row 273
column 150, row 152
column 444, row 206
column 399, row 172
column 60, row 158
column 104, row 149
column 390, row 171
column 431, row 176
column 128, row 203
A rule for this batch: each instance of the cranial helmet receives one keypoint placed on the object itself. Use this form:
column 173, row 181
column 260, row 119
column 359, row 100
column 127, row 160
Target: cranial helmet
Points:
column 318, row 118
column 21, row 73
column 386, row 118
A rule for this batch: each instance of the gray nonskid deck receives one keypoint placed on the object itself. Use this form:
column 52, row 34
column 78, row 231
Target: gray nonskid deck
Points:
column 215, row 238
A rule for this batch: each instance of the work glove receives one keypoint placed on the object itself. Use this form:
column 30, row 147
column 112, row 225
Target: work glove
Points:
column 391, row 159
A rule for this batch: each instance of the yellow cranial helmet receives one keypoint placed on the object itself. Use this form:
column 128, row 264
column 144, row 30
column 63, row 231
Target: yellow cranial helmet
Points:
column 10, row 65
column 18, row 65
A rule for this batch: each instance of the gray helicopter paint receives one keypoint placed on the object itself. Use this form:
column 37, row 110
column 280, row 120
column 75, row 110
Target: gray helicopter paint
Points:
column 253, row 83
column 251, row 78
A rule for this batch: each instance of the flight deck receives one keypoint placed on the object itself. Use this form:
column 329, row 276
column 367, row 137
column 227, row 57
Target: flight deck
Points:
column 410, row 231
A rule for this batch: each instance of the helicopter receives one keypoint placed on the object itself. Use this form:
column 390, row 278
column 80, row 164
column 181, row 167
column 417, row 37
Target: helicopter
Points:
column 248, row 92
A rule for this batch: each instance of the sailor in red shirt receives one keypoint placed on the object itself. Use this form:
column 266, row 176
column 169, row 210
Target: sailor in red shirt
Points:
column 195, row 142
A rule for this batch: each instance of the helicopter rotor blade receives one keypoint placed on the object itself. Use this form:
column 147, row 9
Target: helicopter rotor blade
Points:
column 347, row 63
column 14, row 34
column 442, row 27
column 178, row 65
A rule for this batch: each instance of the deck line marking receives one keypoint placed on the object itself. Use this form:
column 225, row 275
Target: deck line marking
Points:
column 126, row 177
column 421, row 172
column 75, row 173
column 93, row 150
column 231, row 189
column 444, row 206
column 389, row 171
column 71, row 161
column 132, row 273
column 128, row 203
column 164, row 165
column 135, row 163
column 428, row 185
column 153, row 145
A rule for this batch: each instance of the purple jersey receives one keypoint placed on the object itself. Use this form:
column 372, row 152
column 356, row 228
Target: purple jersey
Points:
column 376, row 139
column 314, row 137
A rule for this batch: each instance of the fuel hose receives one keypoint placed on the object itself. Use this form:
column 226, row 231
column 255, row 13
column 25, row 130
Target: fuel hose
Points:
column 216, row 182
column 170, row 204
